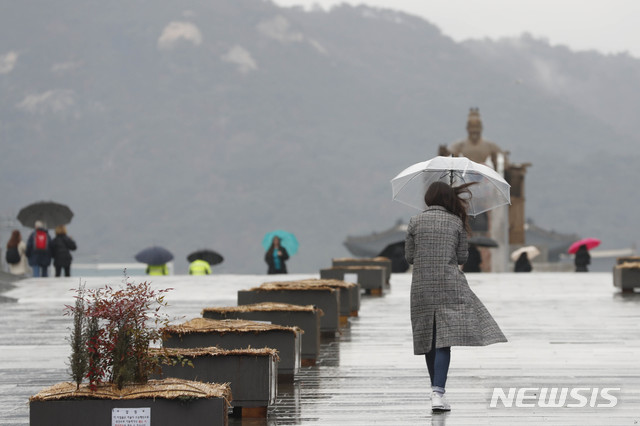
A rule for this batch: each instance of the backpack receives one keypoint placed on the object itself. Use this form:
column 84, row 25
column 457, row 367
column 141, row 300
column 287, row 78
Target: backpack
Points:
column 41, row 240
column 12, row 256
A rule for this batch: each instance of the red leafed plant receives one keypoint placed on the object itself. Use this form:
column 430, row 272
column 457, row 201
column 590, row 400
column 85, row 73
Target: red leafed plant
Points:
column 119, row 325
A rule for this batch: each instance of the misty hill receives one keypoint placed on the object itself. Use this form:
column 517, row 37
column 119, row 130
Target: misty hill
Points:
column 208, row 123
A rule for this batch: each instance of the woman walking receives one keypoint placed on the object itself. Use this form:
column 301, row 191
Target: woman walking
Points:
column 444, row 310
column 61, row 248
column 16, row 255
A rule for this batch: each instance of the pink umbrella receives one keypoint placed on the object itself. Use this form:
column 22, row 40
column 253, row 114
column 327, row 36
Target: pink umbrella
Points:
column 591, row 243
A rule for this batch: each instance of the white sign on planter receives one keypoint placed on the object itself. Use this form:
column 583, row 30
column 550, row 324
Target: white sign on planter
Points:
column 131, row 417
column 351, row 278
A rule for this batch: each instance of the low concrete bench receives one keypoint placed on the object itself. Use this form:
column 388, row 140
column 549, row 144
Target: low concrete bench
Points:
column 626, row 275
column 371, row 278
column 305, row 317
column 238, row 334
column 369, row 261
column 325, row 298
column 166, row 402
column 252, row 374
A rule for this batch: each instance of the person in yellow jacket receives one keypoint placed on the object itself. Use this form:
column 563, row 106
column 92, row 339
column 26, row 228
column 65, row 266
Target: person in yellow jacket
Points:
column 157, row 269
column 199, row 267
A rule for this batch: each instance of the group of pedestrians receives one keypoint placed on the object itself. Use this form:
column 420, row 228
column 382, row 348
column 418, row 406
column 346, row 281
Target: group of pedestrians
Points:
column 36, row 254
column 275, row 257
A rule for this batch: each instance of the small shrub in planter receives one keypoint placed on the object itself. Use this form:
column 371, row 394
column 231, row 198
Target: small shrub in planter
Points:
column 112, row 331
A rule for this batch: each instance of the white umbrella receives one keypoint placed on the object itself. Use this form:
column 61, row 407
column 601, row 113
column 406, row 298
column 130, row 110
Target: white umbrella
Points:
column 532, row 252
column 490, row 191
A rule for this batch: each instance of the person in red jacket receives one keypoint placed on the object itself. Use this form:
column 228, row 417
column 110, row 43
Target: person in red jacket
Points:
column 39, row 250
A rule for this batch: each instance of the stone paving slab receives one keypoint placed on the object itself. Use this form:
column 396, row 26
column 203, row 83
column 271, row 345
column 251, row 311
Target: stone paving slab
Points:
column 564, row 330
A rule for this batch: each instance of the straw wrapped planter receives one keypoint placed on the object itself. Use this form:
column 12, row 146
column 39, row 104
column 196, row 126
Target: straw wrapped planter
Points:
column 325, row 298
column 626, row 276
column 252, row 374
column 373, row 261
column 239, row 334
column 371, row 278
column 349, row 293
column 166, row 402
column 305, row 317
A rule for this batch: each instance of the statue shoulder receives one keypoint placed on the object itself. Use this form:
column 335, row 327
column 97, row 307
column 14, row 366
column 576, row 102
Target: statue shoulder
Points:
column 494, row 146
column 456, row 147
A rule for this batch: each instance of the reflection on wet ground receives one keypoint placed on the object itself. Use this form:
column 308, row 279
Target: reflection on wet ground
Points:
column 564, row 330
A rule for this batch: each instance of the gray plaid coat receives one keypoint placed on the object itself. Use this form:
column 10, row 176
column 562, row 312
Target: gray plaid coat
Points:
column 436, row 244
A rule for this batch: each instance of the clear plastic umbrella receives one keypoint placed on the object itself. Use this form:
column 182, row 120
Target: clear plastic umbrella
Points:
column 489, row 192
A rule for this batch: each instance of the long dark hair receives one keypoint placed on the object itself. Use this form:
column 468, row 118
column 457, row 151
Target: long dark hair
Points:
column 442, row 194
column 14, row 239
column 273, row 245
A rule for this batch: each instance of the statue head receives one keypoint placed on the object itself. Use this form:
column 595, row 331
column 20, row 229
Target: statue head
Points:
column 474, row 126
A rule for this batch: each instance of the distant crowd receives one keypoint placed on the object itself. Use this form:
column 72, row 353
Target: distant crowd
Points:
column 34, row 256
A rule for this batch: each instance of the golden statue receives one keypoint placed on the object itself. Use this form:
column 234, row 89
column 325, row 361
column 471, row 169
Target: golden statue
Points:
column 475, row 147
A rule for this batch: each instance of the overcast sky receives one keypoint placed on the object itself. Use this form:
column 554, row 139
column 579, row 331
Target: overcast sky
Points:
column 609, row 26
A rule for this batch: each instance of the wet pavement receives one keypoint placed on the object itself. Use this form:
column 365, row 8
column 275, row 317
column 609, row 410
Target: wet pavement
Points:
column 565, row 331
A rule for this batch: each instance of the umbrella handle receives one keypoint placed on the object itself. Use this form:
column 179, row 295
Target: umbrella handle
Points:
column 451, row 177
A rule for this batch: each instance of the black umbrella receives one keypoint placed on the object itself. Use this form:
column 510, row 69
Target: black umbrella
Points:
column 481, row 241
column 51, row 213
column 395, row 253
column 154, row 256
column 209, row 256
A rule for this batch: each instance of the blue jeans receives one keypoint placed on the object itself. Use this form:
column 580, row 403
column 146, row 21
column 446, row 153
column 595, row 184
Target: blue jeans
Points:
column 40, row 271
column 438, row 363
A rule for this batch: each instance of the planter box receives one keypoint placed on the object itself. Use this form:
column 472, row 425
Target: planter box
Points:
column 327, row 299
column 349, row 292
column 252, row 374
column 373, row 261
column 626, row 278
column 370, row 278
column 627, row 259
column 82, row 409
column 238, row 334
column 305, row 317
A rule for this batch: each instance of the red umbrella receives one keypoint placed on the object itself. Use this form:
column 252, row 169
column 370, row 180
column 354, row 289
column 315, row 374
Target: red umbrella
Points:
column 591, row 243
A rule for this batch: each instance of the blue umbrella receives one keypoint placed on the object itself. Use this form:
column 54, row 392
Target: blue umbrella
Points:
column 287, row 240
column 155, row 255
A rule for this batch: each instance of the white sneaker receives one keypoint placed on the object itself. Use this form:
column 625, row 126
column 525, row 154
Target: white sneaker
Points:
column 439, row 403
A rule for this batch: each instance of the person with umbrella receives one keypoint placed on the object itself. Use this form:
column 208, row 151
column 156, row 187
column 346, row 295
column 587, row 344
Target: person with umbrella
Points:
column 276, row 257
column 39, row 250
column 581, row 249
column 523, row 257
column 582, row 259
column 474, row 260
column 156, row 259
column 199, row 267
column 201, row 261
column 522, row 264
column 444, row 310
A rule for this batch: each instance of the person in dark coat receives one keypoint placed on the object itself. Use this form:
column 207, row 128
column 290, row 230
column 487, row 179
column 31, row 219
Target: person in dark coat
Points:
column 473, row 261
column 276, row 257
column 444, row 310
column 582, row 259
column 523, row 264
column 61, row 248
column 39, row 250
